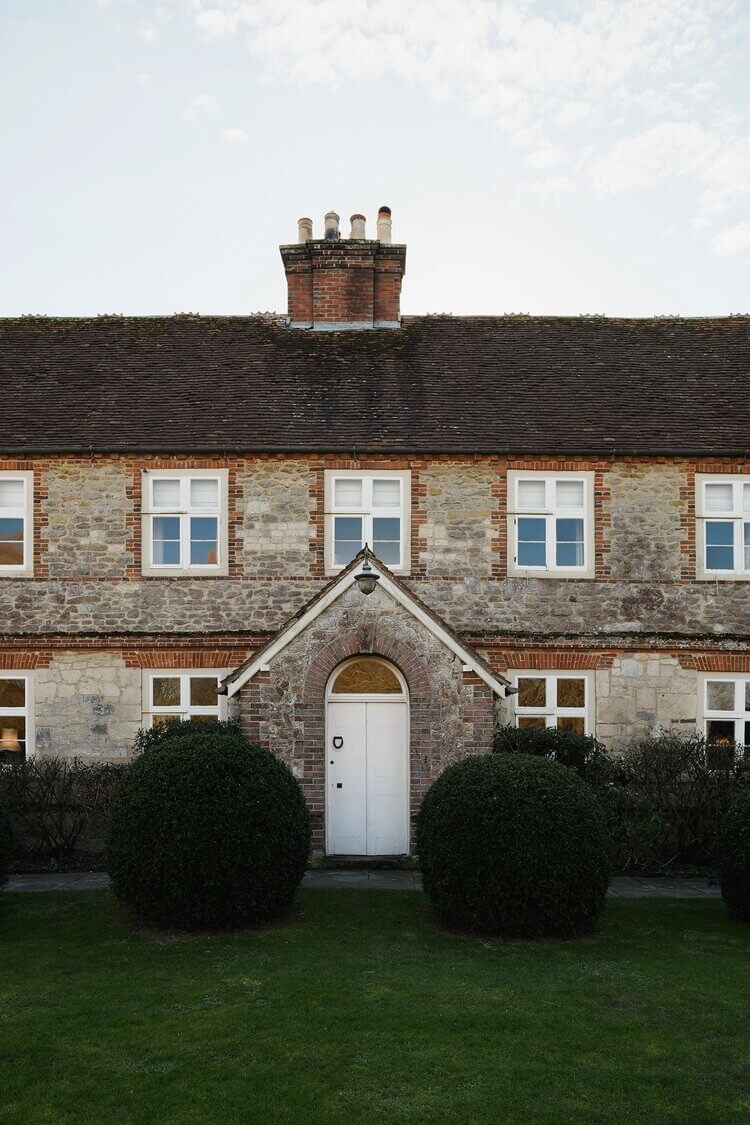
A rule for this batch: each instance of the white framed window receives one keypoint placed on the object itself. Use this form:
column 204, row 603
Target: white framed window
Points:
column 722, row 507
column 16, row 716
column 16, row 524
column 185, row 522
column 170, row 694
column 554, row 699
column 725, row 706
column 551, row 524
column 372, row 508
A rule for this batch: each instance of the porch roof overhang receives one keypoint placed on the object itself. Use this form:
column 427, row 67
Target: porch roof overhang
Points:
column 400, row 593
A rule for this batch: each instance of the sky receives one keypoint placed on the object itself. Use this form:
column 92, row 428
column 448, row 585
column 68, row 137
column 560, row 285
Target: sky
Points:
column 539, row 156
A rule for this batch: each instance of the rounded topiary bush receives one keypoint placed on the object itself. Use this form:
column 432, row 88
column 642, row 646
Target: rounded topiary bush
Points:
column 734, row 857
column 514, row 845
column 211, row 830
column 6, row 842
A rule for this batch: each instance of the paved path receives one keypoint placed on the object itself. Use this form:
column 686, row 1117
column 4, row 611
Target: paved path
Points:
column 620, row 887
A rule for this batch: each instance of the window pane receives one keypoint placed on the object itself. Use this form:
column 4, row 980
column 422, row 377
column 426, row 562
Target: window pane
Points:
column 166, row 540
column 574, row 723
column 204, row 493
column 12, row 737
column 386, row 535
column 569, row 493
column 531, row 494
column 347, row 492
column 11, row 493
column 203, row 691
column 204, row 718
column 719, row 498
column 347, row 538
column 746, row 498
column 571, row 693
column 719, row 545
column 166, row 691
column 204, row 548
column 747, row 545
column 386, row 493
column 720, row 731
column 12, row 693
column 167, row 494
column 11, row 542
column 367, row 677
column 532, row 542
column 532, row 691
column 532, row 722
column 747, row 695
column 569, row 542
column 720, row 695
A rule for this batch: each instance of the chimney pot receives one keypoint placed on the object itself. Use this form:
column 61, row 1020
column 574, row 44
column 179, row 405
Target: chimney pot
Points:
column 304, row 230
column 331, row 224
column 358, row 227
column 384, row 225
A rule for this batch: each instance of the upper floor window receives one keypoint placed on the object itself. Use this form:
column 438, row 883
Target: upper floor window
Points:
column 726, row 710
column 723, row 510
column 183, row 695
column 16, row 524
column 554, row 699
column 16, row 716
column 371, row 508
column 185, row 522
column 550, row 524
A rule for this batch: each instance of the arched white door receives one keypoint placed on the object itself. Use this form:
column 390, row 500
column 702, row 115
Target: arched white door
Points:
column 367, row 760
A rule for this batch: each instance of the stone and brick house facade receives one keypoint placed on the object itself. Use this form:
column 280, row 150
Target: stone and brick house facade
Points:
column 558, row 508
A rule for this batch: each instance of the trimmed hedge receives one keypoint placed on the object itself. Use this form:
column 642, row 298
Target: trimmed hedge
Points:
column 514, row 845
column 6, row 844
column 208, row 830
column 734, row 857
column 150, row 737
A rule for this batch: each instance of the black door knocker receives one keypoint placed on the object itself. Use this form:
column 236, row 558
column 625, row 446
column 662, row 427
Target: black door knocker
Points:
column 338, row 742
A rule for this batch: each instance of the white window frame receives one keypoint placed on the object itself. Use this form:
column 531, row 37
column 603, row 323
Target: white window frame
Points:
column 28, row 710
column 551, row 712
column 739, row 715
column 368, row 512
column 735, row 516
column 184, row 512
column 550, row 513
column 184, row 711
column 26, row 513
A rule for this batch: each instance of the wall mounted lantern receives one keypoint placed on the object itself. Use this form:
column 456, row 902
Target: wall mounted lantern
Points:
column 367, row 579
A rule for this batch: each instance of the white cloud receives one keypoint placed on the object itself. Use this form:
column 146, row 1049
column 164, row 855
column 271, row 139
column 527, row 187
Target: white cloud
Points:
column 202, row 105
column 727, row 243
column 234, row 136
column 143, row 78
column 148, row 31
column 618, row 95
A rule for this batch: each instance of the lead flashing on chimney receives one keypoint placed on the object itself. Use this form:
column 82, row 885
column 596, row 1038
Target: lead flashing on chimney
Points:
column 342, row 325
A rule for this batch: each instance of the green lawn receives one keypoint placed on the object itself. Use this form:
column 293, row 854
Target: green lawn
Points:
column 361, row 1010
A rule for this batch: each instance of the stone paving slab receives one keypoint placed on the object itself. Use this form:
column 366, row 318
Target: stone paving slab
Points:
column 622, row 886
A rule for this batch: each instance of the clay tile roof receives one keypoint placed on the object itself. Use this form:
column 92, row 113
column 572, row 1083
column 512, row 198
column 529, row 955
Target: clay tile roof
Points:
column 440, row 384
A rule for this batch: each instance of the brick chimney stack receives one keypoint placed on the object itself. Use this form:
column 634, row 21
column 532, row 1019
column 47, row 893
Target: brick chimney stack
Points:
column 344, row 283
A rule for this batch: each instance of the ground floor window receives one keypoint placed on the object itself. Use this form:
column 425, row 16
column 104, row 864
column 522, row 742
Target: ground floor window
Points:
column 183, row 695
column 726, row 710
column 16, row 740
column 554, row 699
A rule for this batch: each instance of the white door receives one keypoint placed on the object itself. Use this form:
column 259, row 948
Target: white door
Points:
column 367, row 778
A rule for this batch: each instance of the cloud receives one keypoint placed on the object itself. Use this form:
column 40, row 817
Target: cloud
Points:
column 148, row 31
column 202, row 105
column 234, row 136
column 610, row 96
column 734, row 240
